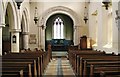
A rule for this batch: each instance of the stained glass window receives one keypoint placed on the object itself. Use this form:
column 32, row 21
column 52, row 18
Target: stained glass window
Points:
column 58, row 29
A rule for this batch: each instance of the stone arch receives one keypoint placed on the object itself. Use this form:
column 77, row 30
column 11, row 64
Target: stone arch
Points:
column 1, row 13
column 15, row 25
column 60, row 9
column 1, row 25
column 24, row 29
column 26, row 18
column 64, row 10
column 14, row 22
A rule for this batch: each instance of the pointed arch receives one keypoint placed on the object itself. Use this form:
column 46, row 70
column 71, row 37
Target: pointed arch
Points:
column 13, row 6
column 25, row 17
column 1, row 12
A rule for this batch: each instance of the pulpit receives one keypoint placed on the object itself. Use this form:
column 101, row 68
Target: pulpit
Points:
column 85, row 43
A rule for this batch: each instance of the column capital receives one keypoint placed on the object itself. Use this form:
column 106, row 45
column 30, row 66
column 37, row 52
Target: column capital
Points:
column 2, row 25
column 25, row 33
column 15, row 30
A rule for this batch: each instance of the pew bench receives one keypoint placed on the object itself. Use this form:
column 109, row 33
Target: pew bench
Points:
column 72, row 54
column 17, row 73
column 15, row 67
column 88, row 69
column 115, row 73
column 77, row 63
column 98, row 69
column 23, row 57
column 84, row 59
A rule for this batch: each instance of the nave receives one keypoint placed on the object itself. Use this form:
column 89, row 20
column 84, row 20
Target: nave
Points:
column 88, row 30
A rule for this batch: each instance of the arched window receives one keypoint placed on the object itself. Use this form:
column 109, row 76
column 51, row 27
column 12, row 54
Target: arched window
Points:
column 58, row 28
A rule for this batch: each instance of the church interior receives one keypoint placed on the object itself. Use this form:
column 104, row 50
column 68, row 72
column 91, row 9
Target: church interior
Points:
column 66, row 38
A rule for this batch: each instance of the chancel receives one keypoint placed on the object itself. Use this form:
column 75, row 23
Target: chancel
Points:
column 78, row 38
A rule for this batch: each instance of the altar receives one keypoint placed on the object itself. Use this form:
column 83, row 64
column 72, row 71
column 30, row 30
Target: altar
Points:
column 60, row 44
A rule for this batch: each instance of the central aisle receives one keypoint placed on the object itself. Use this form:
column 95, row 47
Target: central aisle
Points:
column 59, row 67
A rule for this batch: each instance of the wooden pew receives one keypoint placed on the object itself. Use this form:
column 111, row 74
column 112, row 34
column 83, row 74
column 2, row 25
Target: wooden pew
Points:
column 6, row 71
column 86, row 59
column 87, row 65
column 105, row 68
column 26, row 66
column 73, row 48
column 74, row 53
column 24, row 56
column 40, row 58
column 76, row 61
column 113, row 73
column 14, row 74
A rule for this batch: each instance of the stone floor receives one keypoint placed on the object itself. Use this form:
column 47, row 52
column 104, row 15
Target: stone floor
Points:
column 59, row 53
column 59, row 67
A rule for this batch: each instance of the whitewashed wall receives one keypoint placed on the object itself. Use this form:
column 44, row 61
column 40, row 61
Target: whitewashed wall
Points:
column 99, row 21
column 77, row 7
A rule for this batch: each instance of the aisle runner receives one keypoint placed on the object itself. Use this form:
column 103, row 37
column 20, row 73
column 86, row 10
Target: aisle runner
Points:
column 59, row 67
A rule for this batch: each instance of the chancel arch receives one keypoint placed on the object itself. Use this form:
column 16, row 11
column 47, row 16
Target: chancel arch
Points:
column 63, row 10
column 59, row 30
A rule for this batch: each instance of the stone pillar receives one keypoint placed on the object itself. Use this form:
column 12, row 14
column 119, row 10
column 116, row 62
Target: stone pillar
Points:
column 41, row 33
column 15, row 40
column 41, row 38
column 25, row 40
column 76, row 35
column 38, row 37
column 100, row 30
column 1, row 25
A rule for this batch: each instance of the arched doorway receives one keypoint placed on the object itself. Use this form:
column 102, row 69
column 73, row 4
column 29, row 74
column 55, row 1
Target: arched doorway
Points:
column 65, row 31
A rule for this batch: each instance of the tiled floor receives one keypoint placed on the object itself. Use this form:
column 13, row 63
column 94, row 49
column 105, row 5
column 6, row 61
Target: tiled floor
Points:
column 59, row 67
